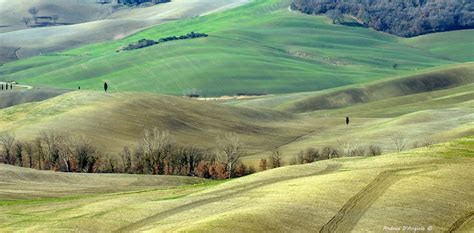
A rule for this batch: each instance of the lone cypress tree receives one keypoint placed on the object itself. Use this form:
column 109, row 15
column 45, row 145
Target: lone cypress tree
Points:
column 106, row 86
column 11, row 86
column 347, row 120
column 6, row 86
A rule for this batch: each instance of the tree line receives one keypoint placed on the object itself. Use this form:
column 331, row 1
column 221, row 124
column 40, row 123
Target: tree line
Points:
column 156, row 153
column 146, row 42
column 405, row 18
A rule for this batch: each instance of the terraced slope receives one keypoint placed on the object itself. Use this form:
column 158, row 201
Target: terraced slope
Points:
column 358, row 194
column 257, row 48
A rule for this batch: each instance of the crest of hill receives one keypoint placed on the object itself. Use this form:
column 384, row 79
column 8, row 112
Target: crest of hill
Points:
column 425, row 82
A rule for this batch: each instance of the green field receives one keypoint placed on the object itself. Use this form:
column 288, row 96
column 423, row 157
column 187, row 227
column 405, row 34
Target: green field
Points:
column 261, row 47
column 315, row 74
column 435, row 105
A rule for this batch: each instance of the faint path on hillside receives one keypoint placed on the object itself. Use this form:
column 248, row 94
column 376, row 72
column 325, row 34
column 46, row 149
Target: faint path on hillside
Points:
column 220, row 196
column 347, row 217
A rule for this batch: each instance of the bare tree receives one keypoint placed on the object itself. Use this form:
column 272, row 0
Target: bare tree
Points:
column 19, row 153
column 230, row 150
column 275, row 159
column 51, row 141
column 126, row 156
column 26, row 20
column 84, row 154
column 157, row 146
column 398, row 140
column 28, row 147
column 7, row 141
column 263, row 164
column 374, row 150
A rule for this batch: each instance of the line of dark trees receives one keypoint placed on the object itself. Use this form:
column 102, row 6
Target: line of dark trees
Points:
column 405, row 18
column 146, row 42
column 6, row 86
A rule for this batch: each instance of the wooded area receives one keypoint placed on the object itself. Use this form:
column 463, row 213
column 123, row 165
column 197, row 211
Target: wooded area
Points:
column 405, row 18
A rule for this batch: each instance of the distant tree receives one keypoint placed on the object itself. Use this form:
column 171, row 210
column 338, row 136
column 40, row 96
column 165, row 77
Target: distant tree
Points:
column 7, row 141
column 19, row 153
column 240, row 170
column 84, row 154
column 230, row 150
column 335, row 15
column 26, row 20
column 28, row 147
column 311, row 155
column 398, row 140
column 106, row 86
column 347, row 120
column 275, row 159
column 374, row 150
column 395, row 66
column 126, row 157
column 2, row 86
column 263, row 164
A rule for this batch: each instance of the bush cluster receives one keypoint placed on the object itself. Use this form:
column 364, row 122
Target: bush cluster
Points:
column 146, row 42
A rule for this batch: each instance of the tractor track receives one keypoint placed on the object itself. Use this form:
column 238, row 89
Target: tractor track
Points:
column 347, row 217
column 224, row 195
column 460, row 222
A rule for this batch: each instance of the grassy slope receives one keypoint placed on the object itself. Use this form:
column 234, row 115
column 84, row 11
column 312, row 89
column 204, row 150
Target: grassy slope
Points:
column 424, row 187
column 454, row 46
column 259, row 47
column 380, row 109
column 438, row 79
column 126, row 115
column 388, row 107
column 50, row 185
column 11, row 98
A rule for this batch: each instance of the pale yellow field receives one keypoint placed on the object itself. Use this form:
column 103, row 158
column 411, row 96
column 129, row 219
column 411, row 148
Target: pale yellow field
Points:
column 428, row 187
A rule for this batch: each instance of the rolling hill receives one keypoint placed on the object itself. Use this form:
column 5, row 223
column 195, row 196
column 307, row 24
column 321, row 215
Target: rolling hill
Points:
column 126, row 115
column 348, row 194
column 431, row 106
column 279, row 51
column 85, row 22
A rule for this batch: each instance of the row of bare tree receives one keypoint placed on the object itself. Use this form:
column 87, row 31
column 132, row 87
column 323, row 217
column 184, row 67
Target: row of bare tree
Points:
column 50, row 151
column 155, row 153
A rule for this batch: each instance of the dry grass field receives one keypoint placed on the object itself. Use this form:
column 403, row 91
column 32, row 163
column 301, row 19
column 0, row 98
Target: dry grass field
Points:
column 419, row 188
